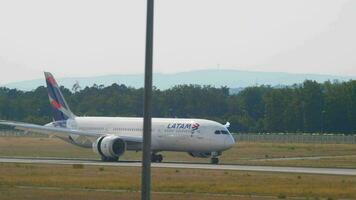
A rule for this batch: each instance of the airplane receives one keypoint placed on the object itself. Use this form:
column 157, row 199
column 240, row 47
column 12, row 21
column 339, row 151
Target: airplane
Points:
column 111, row 137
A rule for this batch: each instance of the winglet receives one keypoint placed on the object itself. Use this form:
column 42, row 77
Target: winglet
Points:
column 227, row 125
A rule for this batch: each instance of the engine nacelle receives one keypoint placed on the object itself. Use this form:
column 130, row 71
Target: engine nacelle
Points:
column 109, row 147
column 200, row 154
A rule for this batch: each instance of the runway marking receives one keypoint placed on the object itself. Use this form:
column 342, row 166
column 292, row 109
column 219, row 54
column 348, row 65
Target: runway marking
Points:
column 307, row 170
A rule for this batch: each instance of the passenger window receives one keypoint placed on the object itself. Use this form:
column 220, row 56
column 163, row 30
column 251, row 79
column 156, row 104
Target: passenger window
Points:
column 217, row 132
column 224, row 132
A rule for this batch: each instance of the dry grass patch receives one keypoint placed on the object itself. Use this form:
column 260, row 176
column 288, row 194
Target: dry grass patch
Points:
column 35, row 194
column 197, row 182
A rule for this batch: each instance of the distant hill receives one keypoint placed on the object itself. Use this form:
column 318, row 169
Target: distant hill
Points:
column 231, row 78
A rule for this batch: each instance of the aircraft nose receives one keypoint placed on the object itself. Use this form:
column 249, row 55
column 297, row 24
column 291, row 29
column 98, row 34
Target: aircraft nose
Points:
column 229, row 142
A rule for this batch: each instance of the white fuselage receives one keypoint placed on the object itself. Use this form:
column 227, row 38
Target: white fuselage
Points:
column 168, row 134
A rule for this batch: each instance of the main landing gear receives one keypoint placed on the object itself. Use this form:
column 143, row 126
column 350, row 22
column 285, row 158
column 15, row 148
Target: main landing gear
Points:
column 108, row 159
column 214, row 160
column 156, row 157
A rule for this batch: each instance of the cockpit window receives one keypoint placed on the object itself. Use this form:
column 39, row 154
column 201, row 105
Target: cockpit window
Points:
column 217, row 132
column 225, row 132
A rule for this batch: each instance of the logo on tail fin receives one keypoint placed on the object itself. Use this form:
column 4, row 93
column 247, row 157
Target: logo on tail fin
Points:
column 61, row 110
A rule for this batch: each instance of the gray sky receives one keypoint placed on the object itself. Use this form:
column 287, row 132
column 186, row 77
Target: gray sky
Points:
column 87, row 38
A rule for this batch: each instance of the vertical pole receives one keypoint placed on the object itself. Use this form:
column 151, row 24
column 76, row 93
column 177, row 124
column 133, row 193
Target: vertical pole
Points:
column 146, row 149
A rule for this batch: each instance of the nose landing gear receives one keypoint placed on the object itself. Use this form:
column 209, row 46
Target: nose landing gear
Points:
column 214, row 157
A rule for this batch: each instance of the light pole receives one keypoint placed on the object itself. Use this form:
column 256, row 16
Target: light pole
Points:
column 147, row 107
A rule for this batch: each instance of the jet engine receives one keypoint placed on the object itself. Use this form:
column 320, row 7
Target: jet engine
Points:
column 200, row 154
column 109, row 147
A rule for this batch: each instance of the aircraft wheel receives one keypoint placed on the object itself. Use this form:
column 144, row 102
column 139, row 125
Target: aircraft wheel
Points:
column 215, row 161
column 104, row 159
column 156, row 158
column 153, row 157
column 107, row 159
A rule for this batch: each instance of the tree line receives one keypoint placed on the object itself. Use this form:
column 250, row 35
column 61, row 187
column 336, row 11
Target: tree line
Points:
column 310, row 107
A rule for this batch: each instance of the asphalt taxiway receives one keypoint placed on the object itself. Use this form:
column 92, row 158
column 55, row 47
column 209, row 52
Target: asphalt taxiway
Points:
column 64, row 161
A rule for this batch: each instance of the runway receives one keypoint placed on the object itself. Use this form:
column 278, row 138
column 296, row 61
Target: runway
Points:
column 181, row 165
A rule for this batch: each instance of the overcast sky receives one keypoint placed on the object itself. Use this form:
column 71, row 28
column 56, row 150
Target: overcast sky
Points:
column 87, row 38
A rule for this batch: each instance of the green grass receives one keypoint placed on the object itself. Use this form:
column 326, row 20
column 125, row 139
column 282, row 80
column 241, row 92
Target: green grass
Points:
column 25, row 181
column 59, row 180
column 241, row 153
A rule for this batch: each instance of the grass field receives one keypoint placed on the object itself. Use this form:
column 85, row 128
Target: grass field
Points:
column 241, row 153
column 36, row 181
column 24, row 181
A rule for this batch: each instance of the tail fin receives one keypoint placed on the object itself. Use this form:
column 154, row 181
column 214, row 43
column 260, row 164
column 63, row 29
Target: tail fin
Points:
column 61, row 110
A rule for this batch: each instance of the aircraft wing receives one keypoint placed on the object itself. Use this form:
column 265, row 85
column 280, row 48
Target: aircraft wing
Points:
column 46, row 129
column 61, row 132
